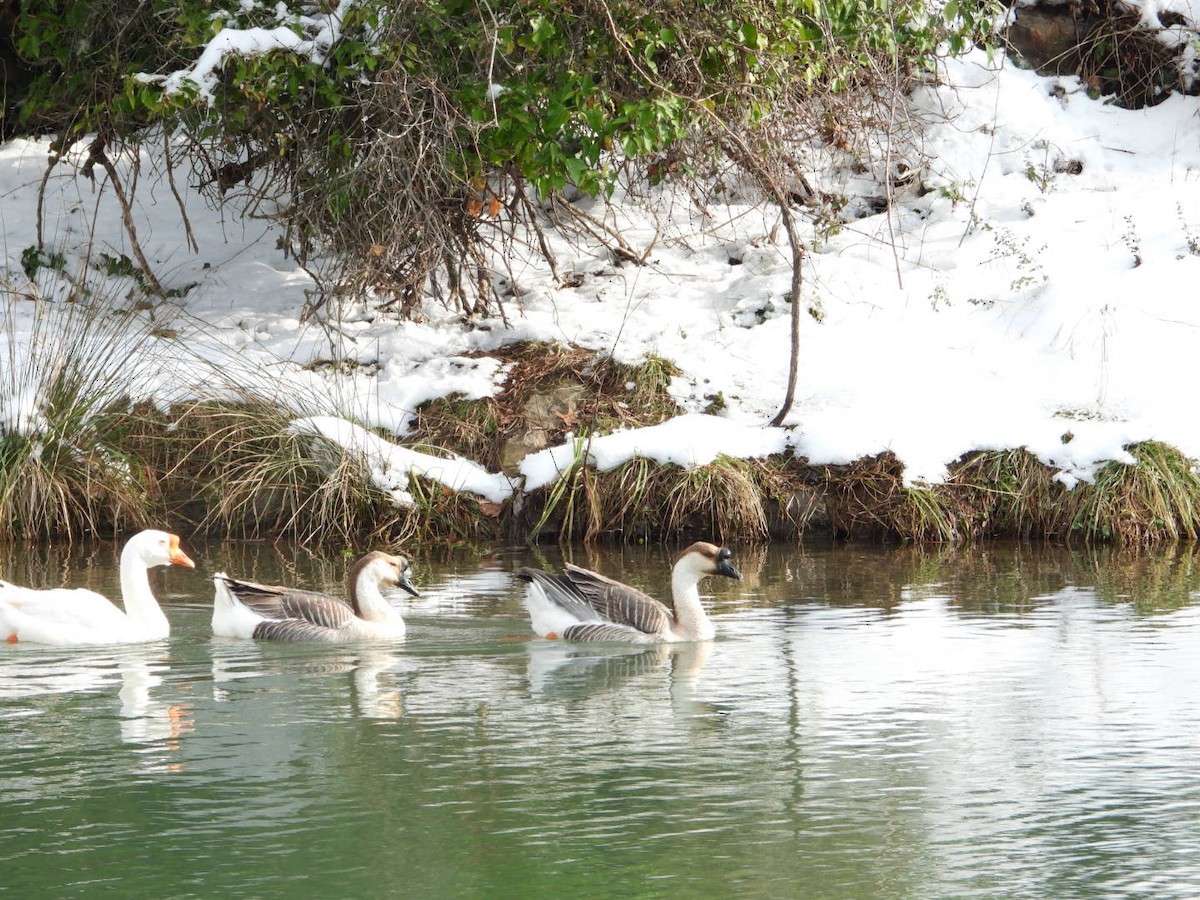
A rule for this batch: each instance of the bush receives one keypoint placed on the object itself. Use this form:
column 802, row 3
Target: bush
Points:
column 402, row 137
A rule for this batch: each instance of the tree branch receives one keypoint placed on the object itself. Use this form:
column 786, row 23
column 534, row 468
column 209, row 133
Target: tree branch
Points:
column 96, row 154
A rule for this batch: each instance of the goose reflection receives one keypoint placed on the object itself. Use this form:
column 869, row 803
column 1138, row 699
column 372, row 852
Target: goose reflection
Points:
column 135, row 670
column 372, row 686
column 632, row 674
column 145, row 719
column 376, row 697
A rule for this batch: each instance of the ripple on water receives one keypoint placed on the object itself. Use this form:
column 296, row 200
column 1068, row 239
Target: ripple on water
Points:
column 886, row 737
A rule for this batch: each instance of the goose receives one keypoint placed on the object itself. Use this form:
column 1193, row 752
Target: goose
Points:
column 66, row 616
column 243, row 609
column 581, row 605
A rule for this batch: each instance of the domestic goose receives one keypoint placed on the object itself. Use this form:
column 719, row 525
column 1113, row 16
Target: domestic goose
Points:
column 244, row 609
column 70, row 616
column 581, row 605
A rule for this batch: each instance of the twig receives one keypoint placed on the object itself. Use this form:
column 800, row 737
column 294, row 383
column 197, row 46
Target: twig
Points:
column 621, row 249
column 888, row 185
column 187, row 224
column 53, row 160
column 543, row 245
column 736, row 148
column 96, row 154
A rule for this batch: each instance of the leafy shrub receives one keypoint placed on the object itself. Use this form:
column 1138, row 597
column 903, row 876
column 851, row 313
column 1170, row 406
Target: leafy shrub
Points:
column 402, row 136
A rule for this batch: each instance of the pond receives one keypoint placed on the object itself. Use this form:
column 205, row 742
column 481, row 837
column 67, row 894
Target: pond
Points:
column 870, row 722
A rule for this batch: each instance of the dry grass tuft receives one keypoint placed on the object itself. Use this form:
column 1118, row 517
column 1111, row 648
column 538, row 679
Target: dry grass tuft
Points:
column 65, row 413
column 1006, row 493
column 253, row 475
column 1156, row 500
column 240, row 468
column 643, row 501
column 862, row 497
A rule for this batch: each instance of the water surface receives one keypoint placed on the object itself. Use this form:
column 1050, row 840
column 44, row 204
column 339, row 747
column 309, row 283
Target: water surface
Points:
column 1006, row 722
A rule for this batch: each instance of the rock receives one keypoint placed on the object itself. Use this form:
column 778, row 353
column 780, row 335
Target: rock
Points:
column 544, row 414
column 1049, row 39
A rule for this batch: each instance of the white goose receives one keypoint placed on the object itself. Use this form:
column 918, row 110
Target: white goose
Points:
column 244, row 609
column 66, row 616
column 581, row 605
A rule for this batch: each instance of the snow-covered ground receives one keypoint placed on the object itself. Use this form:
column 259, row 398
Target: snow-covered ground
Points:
column 1040, row 286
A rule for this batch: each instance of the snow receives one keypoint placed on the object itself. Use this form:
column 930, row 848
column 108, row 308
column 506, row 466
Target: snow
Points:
column 686, row 440
column 1038, row 293
column 202, row 77
column 391, row 464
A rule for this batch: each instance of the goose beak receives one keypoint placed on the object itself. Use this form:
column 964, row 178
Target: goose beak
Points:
column 728, row 569
column 178, row 557
column 403, row 582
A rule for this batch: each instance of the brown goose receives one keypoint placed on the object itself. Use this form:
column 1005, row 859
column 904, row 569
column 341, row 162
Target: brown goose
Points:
column 248, row 610
column 581, row 605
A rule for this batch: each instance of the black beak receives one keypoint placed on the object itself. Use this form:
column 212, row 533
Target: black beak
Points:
column 725, row 567
column 403, row 582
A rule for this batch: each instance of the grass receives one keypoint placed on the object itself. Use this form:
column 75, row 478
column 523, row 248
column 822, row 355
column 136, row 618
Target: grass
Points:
column 249, row 473
column 642, row 501
column 1156, row 500
column 69, row 383
column 81, row 454
column 1011, row 494
column 243, row 469
column 471, row 428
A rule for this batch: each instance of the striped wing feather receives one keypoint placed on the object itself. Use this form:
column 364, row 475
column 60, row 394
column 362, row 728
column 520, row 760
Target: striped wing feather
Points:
column 619, row 603
column 292, row 630
column 280, row 603
column 563, row 592
column 604, row 631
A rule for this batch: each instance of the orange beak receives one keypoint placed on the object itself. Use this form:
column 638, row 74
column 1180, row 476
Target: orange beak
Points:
column 178, row 557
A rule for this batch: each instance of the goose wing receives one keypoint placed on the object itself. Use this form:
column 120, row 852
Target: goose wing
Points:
column 619, row 604
column 562, row 591
column 65, row 607
column 605, row 631
column 292, row 630
column 281, row 604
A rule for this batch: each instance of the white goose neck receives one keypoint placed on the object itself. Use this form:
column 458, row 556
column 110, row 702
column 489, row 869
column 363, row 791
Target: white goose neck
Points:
column 138, row 599
column 368, row 601
column 691, row 621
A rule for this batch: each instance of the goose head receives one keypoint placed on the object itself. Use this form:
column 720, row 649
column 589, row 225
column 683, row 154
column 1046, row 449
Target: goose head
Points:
column 385, row 570
column 703, row 558
column 158, row 548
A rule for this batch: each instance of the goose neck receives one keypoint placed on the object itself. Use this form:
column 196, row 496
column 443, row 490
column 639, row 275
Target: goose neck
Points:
column 138, row 599
column 690, row 618
column 368, row 601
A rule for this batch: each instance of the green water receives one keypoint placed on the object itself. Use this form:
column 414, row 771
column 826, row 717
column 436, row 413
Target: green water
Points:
column 869, row 723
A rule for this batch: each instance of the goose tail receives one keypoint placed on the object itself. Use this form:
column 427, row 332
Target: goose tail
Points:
column 554, row 604
column 231, row 617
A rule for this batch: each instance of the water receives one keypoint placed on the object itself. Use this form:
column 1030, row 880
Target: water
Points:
column 1007, row 723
